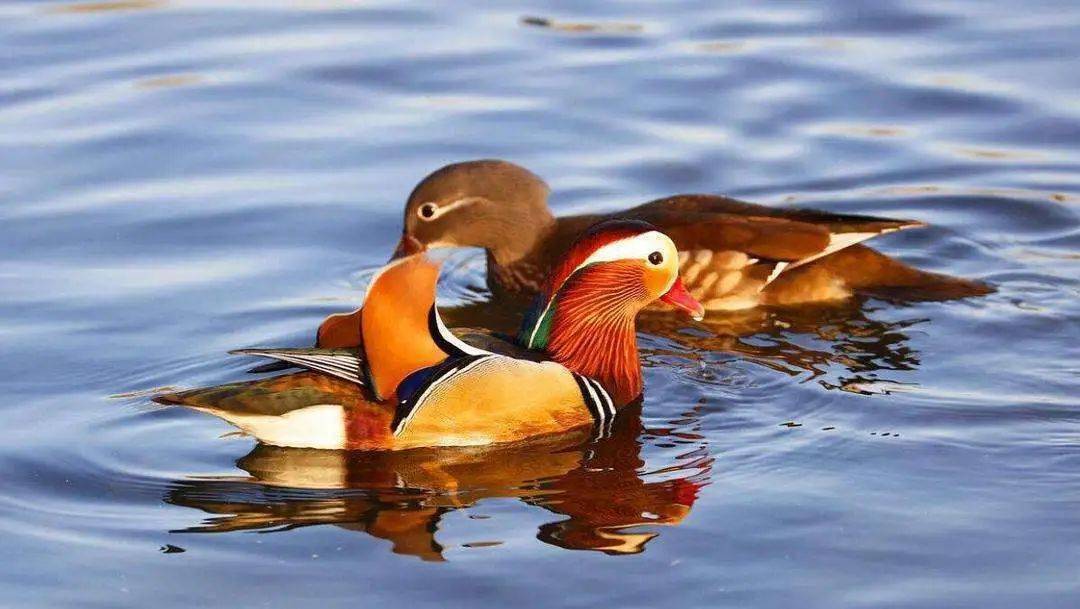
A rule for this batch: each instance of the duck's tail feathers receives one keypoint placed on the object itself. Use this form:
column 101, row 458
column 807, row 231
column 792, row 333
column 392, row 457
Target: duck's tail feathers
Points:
column 869, row 272
column 345, row 364
column 929, row 287
column 271, row 367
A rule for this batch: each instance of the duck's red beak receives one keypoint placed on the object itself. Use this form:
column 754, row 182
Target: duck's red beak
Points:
column 408, row 246
column 679, row 298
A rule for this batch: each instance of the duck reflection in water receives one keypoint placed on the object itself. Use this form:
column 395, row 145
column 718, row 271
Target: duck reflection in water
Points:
column 611, row 502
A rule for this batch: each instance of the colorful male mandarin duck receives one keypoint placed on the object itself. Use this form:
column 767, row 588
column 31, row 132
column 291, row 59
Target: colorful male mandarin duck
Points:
column 576, row 365
column 732, row 254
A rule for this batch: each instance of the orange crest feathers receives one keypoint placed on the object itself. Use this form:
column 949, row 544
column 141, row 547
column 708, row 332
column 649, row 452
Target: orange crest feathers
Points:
column 394, row 323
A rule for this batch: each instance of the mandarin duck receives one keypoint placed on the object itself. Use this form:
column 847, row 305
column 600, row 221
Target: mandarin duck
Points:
column 575, row 364
column 732, row 254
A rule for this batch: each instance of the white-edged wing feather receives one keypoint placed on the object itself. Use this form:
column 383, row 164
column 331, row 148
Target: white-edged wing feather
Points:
column 344, row 364
column 837, row 242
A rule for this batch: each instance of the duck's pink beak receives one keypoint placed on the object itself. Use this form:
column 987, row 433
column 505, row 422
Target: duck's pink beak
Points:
column 408, row 246
column 679, row 298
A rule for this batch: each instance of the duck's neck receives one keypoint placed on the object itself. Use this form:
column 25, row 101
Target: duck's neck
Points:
column 590, row 329
column 513, row 243
column 516, row 263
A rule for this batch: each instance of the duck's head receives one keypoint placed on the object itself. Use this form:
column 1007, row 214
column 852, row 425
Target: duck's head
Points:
column 584, row 316
column 492, row 204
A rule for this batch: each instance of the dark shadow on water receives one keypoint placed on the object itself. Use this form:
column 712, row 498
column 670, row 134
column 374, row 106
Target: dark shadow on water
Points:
column 602, row 492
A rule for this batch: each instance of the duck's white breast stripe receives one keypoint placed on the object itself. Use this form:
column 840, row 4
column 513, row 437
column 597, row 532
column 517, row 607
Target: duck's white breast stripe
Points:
column 607, row 398
column 599, row 404
column 449, row 337
column 606, row 406
column 609, row 423
column 601, row 410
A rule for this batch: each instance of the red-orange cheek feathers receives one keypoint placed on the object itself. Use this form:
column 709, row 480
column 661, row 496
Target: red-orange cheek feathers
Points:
column 656, row 279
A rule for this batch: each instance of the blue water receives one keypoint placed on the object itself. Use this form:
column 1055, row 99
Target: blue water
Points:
column 181, row 178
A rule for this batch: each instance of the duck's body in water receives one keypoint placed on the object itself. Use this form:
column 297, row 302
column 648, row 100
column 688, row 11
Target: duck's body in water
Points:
column 734, row 255
column 576, row 363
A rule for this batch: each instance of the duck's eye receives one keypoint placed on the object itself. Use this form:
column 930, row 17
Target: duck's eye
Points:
column 656, row 258
column 426, row 211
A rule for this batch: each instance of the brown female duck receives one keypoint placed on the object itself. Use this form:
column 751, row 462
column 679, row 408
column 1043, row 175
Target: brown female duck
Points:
column 733, row 255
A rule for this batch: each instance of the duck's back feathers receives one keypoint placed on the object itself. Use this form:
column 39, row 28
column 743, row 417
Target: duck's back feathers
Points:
column 498, row 343
column 784, row 234
column 734, row 252
column 682, row 205
column 271, row 397
column 762, row 237
column 871, row 273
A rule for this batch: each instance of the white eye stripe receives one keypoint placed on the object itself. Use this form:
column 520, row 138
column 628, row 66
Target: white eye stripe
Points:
column 439, row 210
column 637, row 247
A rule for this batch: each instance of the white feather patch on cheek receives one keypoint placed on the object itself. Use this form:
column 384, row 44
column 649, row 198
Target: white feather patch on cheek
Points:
column 639, row 247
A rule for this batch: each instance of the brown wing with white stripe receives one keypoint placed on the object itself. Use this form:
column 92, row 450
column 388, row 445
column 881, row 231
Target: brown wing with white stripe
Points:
column 731, row 251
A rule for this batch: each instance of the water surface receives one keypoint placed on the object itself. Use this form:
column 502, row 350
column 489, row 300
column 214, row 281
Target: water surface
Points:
column 181, row 178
